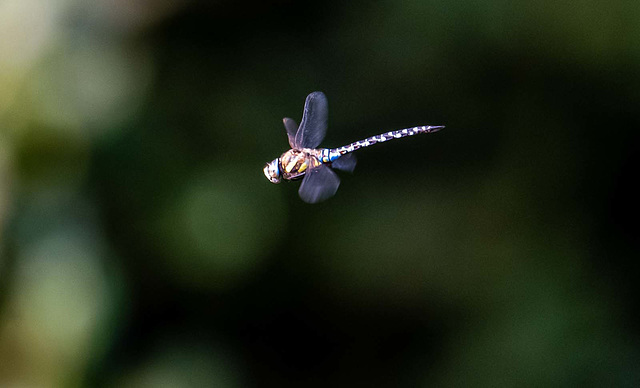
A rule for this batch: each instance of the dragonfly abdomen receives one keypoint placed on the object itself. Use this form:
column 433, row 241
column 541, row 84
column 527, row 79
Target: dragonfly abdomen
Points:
column 337, row 152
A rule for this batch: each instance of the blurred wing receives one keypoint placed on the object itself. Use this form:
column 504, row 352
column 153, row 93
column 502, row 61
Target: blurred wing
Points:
column 291, row 127
column 319, row 183
column 314, row 121
column 345, row 163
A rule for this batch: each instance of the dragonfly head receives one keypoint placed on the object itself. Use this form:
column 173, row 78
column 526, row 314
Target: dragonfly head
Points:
column 272, row 171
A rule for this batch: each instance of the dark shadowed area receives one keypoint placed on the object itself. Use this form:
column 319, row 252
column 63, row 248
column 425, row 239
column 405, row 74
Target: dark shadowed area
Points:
column 142, row 246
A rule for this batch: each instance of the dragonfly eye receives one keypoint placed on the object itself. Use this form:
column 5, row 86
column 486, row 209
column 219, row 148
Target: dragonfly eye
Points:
column 272, row 171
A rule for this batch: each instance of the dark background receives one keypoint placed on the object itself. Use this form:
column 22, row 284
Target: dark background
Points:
column 141, row 245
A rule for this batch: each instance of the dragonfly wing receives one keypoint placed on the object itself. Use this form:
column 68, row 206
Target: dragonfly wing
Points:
column 291, row 127
column 345, row 163
column 319, row 183
column 314, row 121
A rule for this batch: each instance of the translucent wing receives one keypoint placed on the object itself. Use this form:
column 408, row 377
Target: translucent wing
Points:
column 345, row 163
column 291, row 127
column 314, row 121
column 319, row 183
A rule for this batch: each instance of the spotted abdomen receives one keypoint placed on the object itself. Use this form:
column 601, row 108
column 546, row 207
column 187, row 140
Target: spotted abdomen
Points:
column 382, row 138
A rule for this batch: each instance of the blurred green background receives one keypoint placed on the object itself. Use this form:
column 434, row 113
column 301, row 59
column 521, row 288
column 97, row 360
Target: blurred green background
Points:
column 141, row 245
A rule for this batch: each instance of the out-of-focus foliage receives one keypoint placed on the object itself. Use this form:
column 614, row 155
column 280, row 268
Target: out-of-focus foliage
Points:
column 140, row 244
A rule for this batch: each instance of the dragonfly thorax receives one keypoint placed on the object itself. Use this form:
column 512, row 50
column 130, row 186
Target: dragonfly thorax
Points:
column 295, row 163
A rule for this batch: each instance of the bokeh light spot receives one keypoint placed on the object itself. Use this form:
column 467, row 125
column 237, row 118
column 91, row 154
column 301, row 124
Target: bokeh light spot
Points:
column 214, row 231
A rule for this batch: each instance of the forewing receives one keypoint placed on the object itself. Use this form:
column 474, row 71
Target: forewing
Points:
column 291, row 127
column 345, row 163
column 314, row 121
column 319, row 183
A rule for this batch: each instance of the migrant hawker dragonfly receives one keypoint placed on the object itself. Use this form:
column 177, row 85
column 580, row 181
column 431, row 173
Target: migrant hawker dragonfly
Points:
column 314, row 165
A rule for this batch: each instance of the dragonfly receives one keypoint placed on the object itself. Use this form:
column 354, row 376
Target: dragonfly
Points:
column 315, row 165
